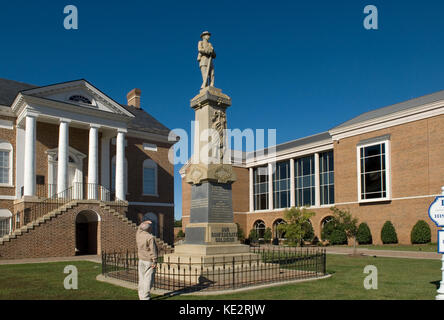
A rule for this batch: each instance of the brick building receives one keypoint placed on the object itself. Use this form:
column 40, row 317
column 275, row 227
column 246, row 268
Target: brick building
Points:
column 79, row 171
column 383, row 165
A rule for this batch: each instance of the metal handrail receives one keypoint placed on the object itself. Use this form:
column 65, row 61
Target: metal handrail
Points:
column 78, row 191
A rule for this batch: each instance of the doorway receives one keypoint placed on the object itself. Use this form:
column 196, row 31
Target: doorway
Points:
column 87, row 225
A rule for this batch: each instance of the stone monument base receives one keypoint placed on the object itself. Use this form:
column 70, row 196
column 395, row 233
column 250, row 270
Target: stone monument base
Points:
column 199, row 263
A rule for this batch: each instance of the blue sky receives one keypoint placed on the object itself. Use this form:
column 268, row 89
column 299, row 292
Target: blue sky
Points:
column 301, row 67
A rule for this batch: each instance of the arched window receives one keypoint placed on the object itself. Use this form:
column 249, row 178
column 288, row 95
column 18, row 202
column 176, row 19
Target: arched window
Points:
column 6, row 163
column 259, row 226
column 113, row 175
column 276, row 232
column 149, row 177
column 325, row 221
column 79, row 98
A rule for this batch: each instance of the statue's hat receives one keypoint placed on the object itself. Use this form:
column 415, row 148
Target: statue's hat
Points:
column 204, row 33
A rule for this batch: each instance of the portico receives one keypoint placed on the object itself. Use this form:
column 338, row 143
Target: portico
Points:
column 100, row 116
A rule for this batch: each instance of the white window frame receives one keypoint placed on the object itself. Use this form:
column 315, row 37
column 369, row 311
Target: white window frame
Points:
column 7, row 147
column 388, row 186
column 150, row 164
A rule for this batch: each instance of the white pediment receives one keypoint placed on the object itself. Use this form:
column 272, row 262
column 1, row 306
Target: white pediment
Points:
column 80, row 93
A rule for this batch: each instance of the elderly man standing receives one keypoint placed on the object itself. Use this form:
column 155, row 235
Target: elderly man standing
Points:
column 147, row 252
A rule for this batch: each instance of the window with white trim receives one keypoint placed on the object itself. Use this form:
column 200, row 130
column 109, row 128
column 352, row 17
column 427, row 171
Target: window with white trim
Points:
column 304, row 171
column 374, row 170
column 326, row 178
column 149, row 177
column 281, row 185
column 5, row 163
column 260, row 188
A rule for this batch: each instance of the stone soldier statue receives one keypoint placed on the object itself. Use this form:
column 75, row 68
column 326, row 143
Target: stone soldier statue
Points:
column 205, row 57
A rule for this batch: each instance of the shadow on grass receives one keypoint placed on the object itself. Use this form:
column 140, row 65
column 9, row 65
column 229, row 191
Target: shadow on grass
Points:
column 204, row 284
column 436, row 283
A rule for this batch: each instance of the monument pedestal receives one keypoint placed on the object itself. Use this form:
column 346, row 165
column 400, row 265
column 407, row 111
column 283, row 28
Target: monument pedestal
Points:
column 211, row 247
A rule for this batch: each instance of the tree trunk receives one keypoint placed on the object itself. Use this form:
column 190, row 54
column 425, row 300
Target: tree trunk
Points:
column 354, row 246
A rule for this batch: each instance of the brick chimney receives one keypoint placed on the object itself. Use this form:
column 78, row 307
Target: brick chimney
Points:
column 134, row 98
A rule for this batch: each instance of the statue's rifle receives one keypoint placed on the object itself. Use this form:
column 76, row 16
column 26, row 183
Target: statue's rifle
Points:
column 208, row 71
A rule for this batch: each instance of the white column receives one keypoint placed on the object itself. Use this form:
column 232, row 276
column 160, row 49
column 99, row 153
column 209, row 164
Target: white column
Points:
column 93, row 162
column 317, row 181
column 120, row 162
column 62, row 162
column 292, row 185
column 251, row 190
column 270, row 186
column 30, row 137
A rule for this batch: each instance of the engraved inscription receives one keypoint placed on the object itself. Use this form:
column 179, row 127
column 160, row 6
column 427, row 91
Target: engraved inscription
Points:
column 221, row 207
column 199, row 203
column 224, row 235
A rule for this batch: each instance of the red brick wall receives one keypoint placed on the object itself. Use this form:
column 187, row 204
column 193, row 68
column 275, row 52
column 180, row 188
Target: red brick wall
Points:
column 56, row 238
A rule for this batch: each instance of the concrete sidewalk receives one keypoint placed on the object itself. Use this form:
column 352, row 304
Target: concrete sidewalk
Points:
column 91, row 258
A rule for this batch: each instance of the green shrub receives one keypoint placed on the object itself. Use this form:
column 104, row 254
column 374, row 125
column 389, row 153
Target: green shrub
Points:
column 364, row 235
column 421, row 233
column 388, row 233
column 253, row 236
column 327, row 230
column 240, row 233
column 338, row 236
column 267, row 235
column 180, row 234
column 308, row 231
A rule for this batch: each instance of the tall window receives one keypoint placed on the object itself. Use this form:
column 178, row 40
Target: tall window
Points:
column 260, row 188
column 5, row 163
column 373, row 173
column 327, row 179
column 281, row 185
column 149, row 177
column 304, row 181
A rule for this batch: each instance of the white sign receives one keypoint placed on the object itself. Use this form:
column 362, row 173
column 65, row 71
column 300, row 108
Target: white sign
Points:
column 436, row 211
column 441, row 241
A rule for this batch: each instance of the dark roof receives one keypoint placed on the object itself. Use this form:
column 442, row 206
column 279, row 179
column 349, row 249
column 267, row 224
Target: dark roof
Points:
column 297, row 143
column 9, row 90
column 409, row 104
column 143, row 121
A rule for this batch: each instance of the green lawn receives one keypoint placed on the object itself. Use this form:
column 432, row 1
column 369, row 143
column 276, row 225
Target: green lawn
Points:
column 398, row 279
column 430, row 247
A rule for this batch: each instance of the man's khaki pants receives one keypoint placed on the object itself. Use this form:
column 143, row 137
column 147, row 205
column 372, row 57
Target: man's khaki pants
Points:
column 146, row 279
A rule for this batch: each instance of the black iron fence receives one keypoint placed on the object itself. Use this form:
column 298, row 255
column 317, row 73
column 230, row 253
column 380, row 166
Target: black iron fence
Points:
column 260, row 266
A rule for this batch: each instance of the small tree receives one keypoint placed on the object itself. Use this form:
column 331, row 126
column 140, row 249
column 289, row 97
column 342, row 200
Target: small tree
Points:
column 253, row 236
column 364, row 235
column 421, row 233
column 178, row 223
column 327, row 230
column 347, row 223
column 180, row 234
column 294, row 228
column 308, row 231
column 267, row 235
column 240, row 233
column 388, row 233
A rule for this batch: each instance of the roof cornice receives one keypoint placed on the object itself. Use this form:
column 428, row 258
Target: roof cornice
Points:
column 414, row 114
